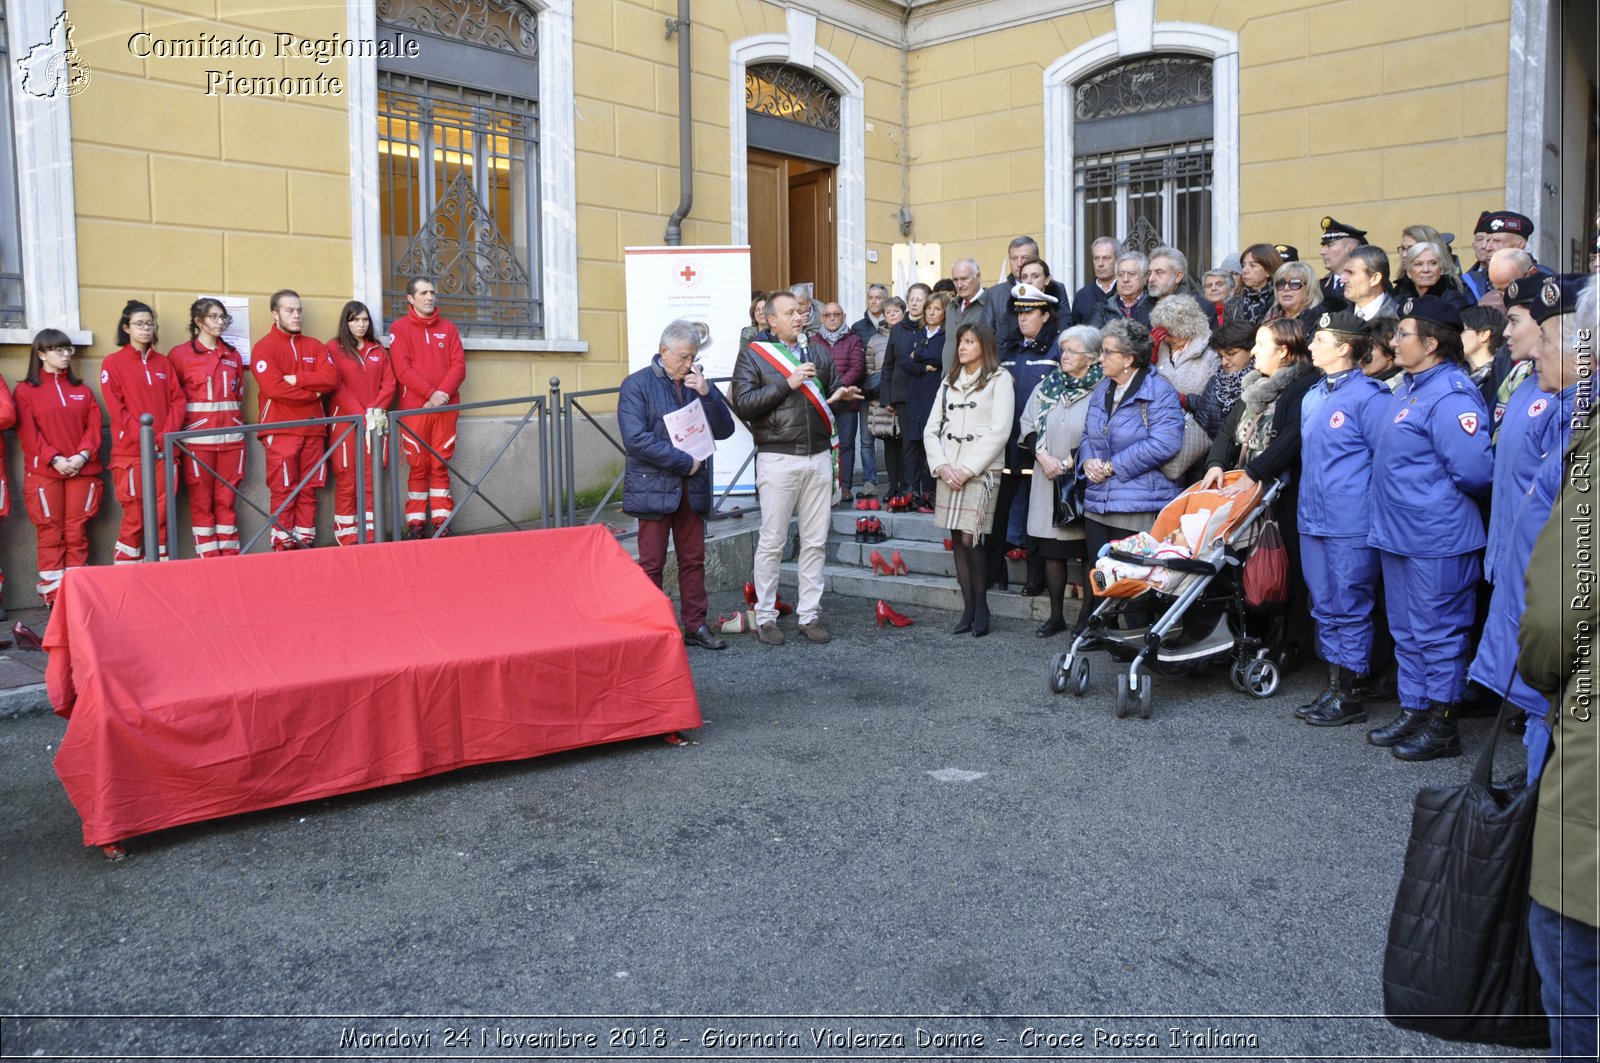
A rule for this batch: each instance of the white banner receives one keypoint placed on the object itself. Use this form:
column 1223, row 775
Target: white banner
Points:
column 707, row 285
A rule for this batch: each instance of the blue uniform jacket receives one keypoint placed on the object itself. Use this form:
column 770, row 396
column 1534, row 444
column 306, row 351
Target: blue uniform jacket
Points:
column 1028, row 362
column 652, row 477
column 1495, row 666
column 1143, row 433
column 1340, row 419
column 918, row 387
column 1431, row 459
column 1514, row 463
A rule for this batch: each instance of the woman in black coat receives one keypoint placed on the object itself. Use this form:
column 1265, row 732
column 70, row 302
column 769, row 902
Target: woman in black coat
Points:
column 920, row 372
column 1261, row 435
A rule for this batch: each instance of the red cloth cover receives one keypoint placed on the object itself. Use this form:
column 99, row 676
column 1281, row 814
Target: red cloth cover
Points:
column 199, row 689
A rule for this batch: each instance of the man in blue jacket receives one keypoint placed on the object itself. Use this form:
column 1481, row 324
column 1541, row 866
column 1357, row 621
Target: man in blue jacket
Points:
column 667, row 490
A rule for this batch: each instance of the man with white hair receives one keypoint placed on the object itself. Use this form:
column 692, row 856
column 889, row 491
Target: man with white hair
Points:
column 967, row 307
column 1129, row 300
column 1506, row 264
column 1495, row 231
column 667, row 490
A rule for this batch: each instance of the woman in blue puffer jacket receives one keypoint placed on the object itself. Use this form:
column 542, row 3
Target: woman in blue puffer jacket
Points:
column 1135, row 425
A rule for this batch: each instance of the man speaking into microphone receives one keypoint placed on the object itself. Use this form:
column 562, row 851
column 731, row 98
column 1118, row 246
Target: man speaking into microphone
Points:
column 784, row 390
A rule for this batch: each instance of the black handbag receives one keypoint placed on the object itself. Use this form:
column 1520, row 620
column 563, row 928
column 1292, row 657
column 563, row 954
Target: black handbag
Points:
column 1458, row 964
column 1067, row 503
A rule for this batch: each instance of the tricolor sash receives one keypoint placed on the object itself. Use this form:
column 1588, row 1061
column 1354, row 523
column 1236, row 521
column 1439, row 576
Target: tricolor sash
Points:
column 779, row 357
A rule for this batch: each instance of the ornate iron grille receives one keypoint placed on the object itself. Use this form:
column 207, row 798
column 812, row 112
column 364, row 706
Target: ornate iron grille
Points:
column 1145, row 198
column 11, row 300
column 791, row 93
column 461, row 202
column 497, row 24
column 1144, row 85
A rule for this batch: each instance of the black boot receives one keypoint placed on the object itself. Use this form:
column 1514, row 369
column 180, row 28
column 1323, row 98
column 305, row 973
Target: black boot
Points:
column 1438, row 739
column 1402, row 727
column 1346, row 707
column 1324, row 699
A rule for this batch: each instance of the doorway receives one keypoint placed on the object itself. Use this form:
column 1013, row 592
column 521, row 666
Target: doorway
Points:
column 791, row 204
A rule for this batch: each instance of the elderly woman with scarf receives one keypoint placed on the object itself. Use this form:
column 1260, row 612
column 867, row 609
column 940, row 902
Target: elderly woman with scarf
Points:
column 1052, row 426
column 1184, row 354
column 1262, row 437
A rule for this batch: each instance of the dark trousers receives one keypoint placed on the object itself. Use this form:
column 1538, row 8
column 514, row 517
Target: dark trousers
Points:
column 847, row 449
column 1567, row 954
column 1010, row 484
column 914, row 464
column 688, row 531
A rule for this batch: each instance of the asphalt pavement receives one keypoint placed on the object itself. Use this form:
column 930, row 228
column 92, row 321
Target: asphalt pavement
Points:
column 900, row 831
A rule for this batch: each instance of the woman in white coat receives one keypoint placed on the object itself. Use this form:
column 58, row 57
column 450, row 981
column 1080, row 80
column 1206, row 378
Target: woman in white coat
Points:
column 965, row 441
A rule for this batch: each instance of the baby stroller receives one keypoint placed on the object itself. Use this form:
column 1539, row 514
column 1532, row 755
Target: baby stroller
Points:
column 1187, row 569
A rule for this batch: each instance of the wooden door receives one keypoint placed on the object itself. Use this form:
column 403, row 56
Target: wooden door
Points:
column 790, row 209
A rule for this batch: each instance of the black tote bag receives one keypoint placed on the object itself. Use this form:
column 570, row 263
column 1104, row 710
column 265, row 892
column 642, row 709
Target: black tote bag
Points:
column 1458, row 963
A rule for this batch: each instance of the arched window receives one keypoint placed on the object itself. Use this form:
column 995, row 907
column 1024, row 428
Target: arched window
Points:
column 458, row 134
column 791, row 111
column 1142, row 148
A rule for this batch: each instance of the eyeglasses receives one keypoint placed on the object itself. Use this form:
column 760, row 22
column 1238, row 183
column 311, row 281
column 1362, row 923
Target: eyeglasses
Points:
column 1112, row 350
column 1405, row 334
column 226, row 319
column 68, row 351
column 1292, row 285
column 141, row 324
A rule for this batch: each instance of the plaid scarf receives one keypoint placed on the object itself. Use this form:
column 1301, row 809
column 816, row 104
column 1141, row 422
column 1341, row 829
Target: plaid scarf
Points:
column 1059, row 389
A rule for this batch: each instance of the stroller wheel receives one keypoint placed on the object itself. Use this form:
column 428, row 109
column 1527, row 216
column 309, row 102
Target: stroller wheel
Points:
column 1080, row 676
column 1058, row 674
column 1236, row 676
column 1125, row 698
column 1261, row 677
column 1145, row 697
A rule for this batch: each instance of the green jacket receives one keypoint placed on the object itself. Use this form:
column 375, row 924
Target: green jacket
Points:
column 1557, row 657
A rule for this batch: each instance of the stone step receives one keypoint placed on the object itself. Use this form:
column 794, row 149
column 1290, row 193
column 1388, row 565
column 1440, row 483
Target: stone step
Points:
column 918, row 526
column 917, row 591
column 922, row 558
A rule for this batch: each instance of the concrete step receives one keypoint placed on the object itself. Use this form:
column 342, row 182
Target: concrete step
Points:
column 917, row 591
column 922, row 558
column 918, row 526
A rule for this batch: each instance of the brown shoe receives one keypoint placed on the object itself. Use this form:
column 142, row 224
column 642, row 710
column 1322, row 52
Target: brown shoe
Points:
column 815, row 631
column 770, row 635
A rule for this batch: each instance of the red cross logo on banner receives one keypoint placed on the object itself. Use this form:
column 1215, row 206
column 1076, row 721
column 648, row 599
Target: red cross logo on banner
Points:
column 1469, row 423
column 687, row 276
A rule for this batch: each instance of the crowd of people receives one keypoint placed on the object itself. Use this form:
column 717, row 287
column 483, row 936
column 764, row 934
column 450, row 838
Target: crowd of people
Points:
column 199, row 386
column 1423, row 423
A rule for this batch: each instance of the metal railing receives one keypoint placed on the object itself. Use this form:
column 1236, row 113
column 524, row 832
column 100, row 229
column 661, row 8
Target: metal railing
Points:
column 557, row 492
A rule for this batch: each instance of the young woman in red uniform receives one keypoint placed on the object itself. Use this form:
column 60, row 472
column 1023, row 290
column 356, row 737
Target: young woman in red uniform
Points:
column 366, row 384
column 137, row 379
column 58, row 423
column 212, row 375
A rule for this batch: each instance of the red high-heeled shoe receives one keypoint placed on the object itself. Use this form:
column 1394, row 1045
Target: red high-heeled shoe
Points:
column 1016, row 553
column 948, row 545
column 783, row 607
column 880, row 567
column 873, row 503
column 884, row 613
column 27, row 638
column 899, row 563
column 861, row 504
column 750, row 593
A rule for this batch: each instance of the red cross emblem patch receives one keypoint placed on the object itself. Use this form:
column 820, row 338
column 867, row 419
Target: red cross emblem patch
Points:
column 1469, row 423
column 1337, row 420
column 1538, row 407
column 1402, row 415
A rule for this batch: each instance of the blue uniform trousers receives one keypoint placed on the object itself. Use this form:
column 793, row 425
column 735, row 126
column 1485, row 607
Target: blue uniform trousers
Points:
column 1342, row 575
column 1431, row 602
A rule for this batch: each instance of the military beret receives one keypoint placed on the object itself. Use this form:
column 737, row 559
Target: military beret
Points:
column 1557, row 295
column 1432, row 309
column 1347, row 321
column 1288, row 252
column 1337, row 230
column 1504, row 221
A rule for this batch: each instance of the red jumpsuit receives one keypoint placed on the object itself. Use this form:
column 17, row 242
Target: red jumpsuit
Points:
column 213, row 384
column 131, row 385
column 8, row 417
column 428, row 357
column 59, row 419
column 365, row 383
column 293, row 452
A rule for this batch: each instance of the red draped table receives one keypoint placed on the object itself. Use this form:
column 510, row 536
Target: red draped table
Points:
column 199, row 689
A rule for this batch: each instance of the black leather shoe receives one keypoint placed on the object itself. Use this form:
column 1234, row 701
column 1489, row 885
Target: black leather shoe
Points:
column 1516, row 725
column 1054, row 626
column 1324, row 699
column 963, row 626
column 1439, row 738
column 1029, row 590
column 1399, row 729
column 702, row 637
column 1338, row 713
column 1478, row 702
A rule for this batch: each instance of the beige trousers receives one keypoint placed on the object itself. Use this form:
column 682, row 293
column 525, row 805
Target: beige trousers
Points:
column 788, row 485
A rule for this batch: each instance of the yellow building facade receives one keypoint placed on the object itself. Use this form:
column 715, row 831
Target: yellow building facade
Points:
column 234, row 148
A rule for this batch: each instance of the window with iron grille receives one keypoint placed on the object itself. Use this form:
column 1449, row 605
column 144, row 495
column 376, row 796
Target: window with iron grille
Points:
column 1142, row 156
column 458, row 138
column 11, row 301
